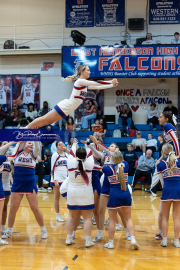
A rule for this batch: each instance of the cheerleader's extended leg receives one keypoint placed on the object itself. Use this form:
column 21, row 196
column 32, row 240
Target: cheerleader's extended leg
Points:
column 47, row 119
column 111, row 227
column 176, row 215
column 1, row 209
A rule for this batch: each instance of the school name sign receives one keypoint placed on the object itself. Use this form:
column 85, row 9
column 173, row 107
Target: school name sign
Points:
column 119, row 61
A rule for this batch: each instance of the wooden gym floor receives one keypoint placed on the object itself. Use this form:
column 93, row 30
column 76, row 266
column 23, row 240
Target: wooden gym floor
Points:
column 26, row 250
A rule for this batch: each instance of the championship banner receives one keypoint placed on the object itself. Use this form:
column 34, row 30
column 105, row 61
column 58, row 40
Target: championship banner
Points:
column 110, row 12
column 26, row 89
column 79, row 13
column 97, row 97
column 123, row 62
column 5, row 92
column 164, row 12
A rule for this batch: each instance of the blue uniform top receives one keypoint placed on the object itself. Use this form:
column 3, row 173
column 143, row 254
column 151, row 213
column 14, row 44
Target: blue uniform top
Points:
column 170, row 136
column 163, row 168
column 112, row 176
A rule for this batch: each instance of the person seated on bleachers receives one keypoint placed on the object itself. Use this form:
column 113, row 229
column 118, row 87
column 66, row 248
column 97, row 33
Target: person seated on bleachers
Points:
column 153, row 115
column 130, row 156
column 139, row 144
column 23, row 123
column 30, row 113
column 125, row 117
column 90, row 114
column 176, row 39
column 104, row 125
column 70, row 129
column 144, row 168
column 49, row 131
column 151, row 143
column 162, row 142
column 149, row 40
column 98, row 130
column 171, row 109
column 13, row 118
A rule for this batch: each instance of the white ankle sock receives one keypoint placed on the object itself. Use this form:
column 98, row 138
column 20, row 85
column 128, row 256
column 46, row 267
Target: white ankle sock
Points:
column 165, row 238
column 144, row 154
column 111, row 240
column 43, row 228
column 57, row 215
column 73, row 233
column 176, row 241
column 3, row 227
column 100, row 232
column 133, row 238
column 9, row 229
column 126, row 230
column 88, row 238
column 160, row 231
column 69, row 236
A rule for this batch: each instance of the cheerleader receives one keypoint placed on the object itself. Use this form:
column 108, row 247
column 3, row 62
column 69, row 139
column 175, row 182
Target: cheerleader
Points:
column 119, row 197
column 58, row 175
column 171, row 131
column 24, row 182
column 66, row 106
column 171, row 135
column 6, row 179
column 3, row 158
column 104, row 196
column 80, row 197
column 169, row 170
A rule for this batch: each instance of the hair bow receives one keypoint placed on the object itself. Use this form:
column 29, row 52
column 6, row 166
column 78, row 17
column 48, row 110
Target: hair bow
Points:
column 174, row 119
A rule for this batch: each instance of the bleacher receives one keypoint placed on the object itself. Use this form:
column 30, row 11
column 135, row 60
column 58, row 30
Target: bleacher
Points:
column 145, row 129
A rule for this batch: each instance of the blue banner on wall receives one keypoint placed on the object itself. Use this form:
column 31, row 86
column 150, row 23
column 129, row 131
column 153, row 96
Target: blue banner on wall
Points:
column 79, row 13
column 119, row 61
column 110, row 12
column 164, row 12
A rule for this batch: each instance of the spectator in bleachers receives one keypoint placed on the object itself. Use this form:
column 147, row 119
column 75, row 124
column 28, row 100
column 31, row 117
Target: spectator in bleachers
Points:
column 30, row 113
column 24, row 122
column 49, row 131
column 45, row 109
column 162, row 142
column 90, row 114
column 171, row 109
column 62, row 122
column 144, row 168
column 2, row 116
column 139, row 144
column 70, row 144
column 149, row 40
column 125, row 117
column 98, row 130
column 130, row 156
column 13, row 118
column 176, row 39
column 70, row 129
column 153, row 115
column 47, row 166
column 151, row 143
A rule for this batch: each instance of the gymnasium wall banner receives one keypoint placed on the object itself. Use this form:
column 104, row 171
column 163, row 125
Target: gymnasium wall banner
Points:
column 164, row 12
column 110, row 12
column 124, row 62
column 26, row 89
column 97, row 96
column 5, row 92
column 79, row 13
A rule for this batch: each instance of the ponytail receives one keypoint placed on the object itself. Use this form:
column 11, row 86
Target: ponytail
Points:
column 168, row 150
column 82, row 172
column 171, row 162
column 122, row 179
column 74, row 77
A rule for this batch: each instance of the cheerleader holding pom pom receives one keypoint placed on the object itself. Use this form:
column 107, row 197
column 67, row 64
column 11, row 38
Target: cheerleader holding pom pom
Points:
column 66, row 106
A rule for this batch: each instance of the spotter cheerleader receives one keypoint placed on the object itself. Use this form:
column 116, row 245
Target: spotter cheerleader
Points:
column 169, row 169
column 80, row 197
column 59, row 173
column 24, row 182
column 3, row 158
column 6, row 179
column 66, row 106
column 119, row 197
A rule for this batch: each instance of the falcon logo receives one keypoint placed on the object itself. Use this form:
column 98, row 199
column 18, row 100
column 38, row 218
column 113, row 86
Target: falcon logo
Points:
column 80, row 2
column 47, row 66
column 110, row 1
